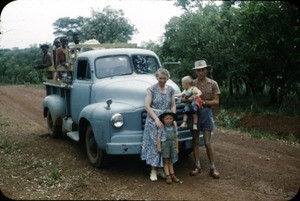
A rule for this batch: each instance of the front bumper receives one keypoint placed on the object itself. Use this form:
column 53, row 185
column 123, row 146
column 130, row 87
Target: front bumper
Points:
column 132, row 144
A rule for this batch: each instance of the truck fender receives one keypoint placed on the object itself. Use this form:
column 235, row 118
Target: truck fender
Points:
column 56, row 105
column 97, row 116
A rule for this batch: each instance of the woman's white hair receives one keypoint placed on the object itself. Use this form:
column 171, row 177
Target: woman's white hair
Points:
column 162, row 71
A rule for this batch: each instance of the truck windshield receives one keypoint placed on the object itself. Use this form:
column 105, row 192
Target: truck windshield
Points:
column 112, row 66
column 145, row 64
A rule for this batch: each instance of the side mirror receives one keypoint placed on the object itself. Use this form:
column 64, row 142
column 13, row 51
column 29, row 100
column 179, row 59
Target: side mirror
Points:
column 171, row 63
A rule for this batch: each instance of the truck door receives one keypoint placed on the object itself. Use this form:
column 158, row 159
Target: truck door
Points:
column 81, row 89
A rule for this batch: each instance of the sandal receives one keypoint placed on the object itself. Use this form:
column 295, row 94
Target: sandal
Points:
column 195, row 171
column 214, row 173
column 174, row 178
column 169, row 179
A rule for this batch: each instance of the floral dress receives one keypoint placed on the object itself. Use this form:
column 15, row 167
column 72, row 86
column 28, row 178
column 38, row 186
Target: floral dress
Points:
column 160, row 102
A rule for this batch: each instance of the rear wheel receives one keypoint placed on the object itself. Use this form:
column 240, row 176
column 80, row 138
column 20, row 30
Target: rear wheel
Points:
column 54, row 130
column 96, row 156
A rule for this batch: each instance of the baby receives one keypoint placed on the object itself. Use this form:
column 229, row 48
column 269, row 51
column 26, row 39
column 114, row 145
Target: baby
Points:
column 191, row 107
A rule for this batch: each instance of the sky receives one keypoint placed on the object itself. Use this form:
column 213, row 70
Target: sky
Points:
column 27, row 22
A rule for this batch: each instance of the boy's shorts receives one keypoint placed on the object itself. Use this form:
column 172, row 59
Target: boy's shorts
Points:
column 169, row 149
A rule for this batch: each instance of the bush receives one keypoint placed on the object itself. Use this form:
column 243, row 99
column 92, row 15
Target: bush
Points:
column 290, row 105
column 227, row 119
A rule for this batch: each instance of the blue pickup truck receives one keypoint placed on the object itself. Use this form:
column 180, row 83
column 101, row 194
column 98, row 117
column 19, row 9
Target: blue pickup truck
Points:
column 102, row 106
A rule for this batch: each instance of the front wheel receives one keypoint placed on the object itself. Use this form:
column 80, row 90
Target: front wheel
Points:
column 96, row 156
column 54, row 130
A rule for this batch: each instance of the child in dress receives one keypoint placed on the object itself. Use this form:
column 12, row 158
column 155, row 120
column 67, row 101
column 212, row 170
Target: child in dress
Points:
column 167, row 144
column 191, row 107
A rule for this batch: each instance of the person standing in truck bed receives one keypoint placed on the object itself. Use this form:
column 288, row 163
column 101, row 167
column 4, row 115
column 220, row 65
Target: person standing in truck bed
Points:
column 62, row 56
column 46, row 59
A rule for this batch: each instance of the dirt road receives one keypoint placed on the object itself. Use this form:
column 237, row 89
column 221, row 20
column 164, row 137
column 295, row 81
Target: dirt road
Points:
column 35, row 166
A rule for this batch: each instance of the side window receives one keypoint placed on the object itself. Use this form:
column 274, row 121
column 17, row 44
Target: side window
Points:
column 83, row 70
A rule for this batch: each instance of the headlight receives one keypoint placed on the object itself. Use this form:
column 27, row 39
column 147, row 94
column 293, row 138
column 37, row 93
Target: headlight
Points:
column 117, row 120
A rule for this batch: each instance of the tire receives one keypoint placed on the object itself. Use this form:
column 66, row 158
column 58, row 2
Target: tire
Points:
column 96, row 156
column 54, row 130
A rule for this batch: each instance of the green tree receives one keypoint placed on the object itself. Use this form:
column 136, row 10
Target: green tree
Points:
column 17, row 65
column 192, row 36
column 269, row 37
column 67, row 25
column 108, row 26
column 253, row 47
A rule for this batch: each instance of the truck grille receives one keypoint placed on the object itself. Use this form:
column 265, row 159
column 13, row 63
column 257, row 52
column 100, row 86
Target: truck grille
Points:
column 179, row 112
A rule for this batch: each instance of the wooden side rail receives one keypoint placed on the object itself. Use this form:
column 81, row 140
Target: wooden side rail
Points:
column 106, row 45
column 60, row 68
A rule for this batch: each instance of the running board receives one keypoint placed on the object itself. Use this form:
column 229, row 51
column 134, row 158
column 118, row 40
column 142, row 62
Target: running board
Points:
column 74, row 135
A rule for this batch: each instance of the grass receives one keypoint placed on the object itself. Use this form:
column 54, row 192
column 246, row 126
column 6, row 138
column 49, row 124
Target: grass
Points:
column 37, row 163
column 292, row 138
column 53, row 178
column 55, row 175
column 228, row 119
column 34, row 86
column 9, row 147
column 262, row 134
column 6, row 146
column 82, row 183
column 4, row 123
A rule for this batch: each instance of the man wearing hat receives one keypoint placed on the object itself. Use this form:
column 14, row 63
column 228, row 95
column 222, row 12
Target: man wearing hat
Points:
column 210, row 97
column 46, row 60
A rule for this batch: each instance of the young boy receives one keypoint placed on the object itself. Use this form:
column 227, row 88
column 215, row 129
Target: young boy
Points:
column 191, row 107
column 167, row 144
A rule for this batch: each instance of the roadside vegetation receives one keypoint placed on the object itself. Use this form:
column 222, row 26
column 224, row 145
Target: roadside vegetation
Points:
column 234, row 108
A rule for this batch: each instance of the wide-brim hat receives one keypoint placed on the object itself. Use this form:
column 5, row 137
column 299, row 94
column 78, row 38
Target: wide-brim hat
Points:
column 167, row 112
column 200, row 64
column 44, row 46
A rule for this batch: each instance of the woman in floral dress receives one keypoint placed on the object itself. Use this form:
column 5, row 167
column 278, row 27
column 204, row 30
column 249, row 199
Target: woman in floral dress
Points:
column 160, row 97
